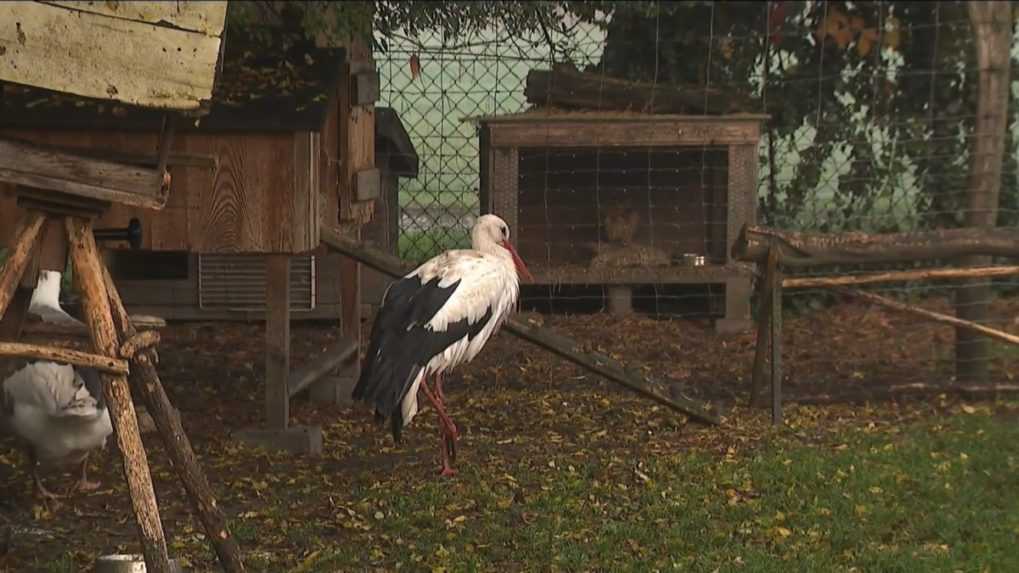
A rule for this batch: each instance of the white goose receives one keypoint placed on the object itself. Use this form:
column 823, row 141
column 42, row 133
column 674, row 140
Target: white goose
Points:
column 61, row 415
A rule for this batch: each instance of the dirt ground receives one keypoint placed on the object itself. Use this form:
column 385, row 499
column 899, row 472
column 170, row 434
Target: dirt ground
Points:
column 513, row 399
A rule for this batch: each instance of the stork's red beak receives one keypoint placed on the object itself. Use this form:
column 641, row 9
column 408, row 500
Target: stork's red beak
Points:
column 518, row 262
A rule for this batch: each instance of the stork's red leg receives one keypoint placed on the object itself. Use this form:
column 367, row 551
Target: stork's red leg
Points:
column 440, row 408
column 447, row 429
column 438, row 388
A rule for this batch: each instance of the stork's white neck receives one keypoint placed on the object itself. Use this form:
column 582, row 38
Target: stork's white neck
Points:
column 47, row 290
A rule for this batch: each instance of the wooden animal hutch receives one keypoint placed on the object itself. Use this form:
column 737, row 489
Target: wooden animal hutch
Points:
column 286, row 148
column 253, row 176
column 395, row 158
column 625, row 198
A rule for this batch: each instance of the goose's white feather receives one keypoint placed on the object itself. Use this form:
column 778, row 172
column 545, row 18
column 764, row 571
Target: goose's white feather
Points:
column 49, row 406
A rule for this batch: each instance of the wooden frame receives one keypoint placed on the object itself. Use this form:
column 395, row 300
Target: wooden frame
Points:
column 502, row 137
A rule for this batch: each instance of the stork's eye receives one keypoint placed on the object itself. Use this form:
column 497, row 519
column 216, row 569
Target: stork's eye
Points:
column 505, row 232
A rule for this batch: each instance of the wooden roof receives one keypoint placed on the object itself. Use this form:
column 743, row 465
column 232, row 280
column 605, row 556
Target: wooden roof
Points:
column 153, row 54
column 259, row 89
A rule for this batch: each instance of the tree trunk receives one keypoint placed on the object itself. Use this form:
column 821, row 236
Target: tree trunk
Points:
column 992, row 27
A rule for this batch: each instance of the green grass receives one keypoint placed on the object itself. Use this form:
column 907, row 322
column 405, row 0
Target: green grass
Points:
column 939, row 496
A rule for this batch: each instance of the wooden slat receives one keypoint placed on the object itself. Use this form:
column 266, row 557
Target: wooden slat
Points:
column 36, row 166
column 127, row 60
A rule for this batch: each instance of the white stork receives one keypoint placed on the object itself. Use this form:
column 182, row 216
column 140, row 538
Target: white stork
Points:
column 434, row 319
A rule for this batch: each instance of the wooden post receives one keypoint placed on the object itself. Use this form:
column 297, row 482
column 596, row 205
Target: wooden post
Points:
column 763, row 340
column 145, row 382
column 88, row 275
column 18, row 256
column 277, row 341
column 775, row 310
column 992, row 28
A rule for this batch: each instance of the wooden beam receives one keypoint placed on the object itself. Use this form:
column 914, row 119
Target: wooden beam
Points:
column 992, row 38
column 935, row 316
column 277, row 341
column 65, row 356
column 88, row 275
column 145, row 382
column 18, row 256
column 562, row 346
column 131, row 54
column 807, row 249
column 899, row 276
column 38, row 166
column 566, row 88
column 332, row 357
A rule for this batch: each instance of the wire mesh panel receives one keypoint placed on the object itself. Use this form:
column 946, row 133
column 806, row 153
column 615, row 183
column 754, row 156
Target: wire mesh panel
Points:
column 871, row 110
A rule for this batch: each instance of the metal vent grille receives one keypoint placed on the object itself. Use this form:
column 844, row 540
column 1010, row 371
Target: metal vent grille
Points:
column 237, row 282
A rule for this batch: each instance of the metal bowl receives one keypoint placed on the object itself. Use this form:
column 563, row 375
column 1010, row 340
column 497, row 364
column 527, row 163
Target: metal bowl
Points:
column 693, row 260
column 128, row 563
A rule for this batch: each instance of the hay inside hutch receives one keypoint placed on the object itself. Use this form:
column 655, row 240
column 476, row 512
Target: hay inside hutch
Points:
column 624, row 199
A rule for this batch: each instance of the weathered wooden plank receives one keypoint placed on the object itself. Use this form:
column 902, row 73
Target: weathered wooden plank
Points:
column 135, row 62
column 206, row 17
column 252, row 204
column 32, row 165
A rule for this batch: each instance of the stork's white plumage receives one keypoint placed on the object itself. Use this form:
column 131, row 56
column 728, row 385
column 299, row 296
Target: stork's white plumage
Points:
column 434, row 319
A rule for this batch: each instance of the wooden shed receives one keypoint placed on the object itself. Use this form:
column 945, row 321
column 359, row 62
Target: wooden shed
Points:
column 286, row 148
column 624, row 198
column 256, row 175
column 395, row 158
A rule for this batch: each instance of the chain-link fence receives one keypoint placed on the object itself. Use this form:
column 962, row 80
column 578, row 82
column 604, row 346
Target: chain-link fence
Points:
column 617, row 202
